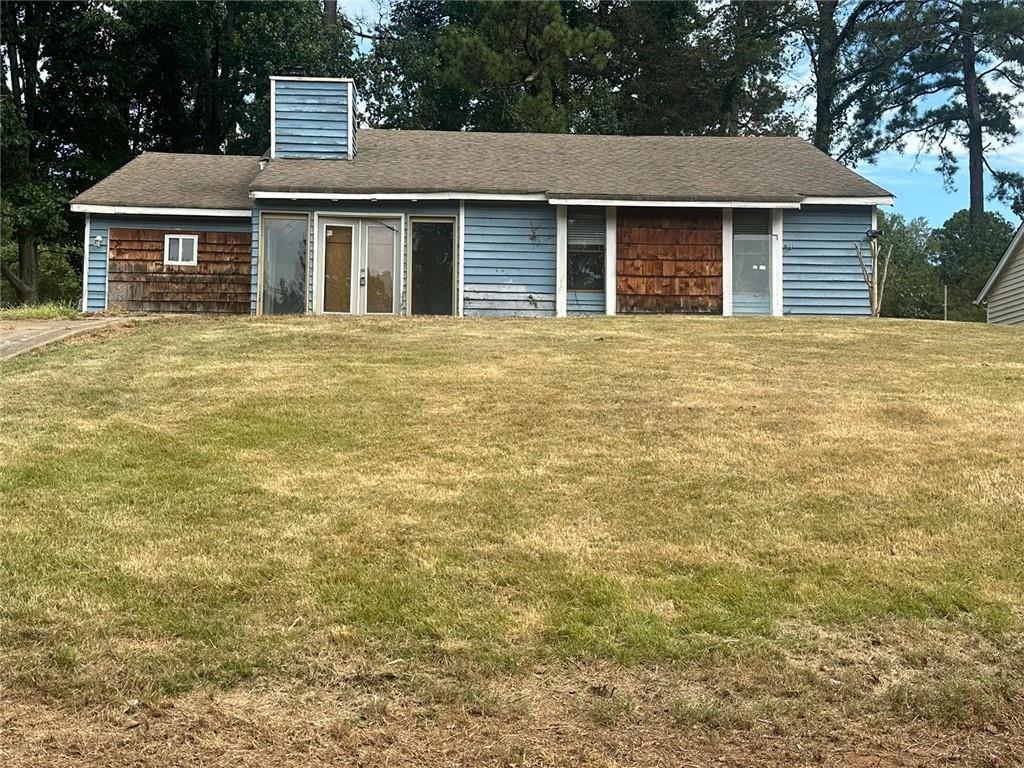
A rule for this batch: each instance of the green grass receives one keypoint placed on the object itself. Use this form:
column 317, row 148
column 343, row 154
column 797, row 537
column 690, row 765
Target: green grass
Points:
column 45, row 311
column 800, row 514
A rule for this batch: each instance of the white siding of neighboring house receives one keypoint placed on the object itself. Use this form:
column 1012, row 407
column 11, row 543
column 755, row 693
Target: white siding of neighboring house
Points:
column 1006, row 299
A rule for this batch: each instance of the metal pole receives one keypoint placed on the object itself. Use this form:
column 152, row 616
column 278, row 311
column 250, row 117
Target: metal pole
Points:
column 945, row 302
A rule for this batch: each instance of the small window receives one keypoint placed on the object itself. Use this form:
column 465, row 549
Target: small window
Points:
column 585, row 235
column 181, row 249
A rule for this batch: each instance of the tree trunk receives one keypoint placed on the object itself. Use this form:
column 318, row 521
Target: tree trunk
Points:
column 975, row 140
column 26, row 281
column 825, row 75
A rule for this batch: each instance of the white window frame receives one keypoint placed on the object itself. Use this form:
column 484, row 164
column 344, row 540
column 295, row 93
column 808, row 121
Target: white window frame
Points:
column 180, row 238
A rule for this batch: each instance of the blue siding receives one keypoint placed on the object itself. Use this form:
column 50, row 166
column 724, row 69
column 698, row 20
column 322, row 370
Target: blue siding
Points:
column 311, row 118
column 751, row 304
column 96, row 291
column 509, row 260
column 449, row 208
column 584, row 302
column 820, row 271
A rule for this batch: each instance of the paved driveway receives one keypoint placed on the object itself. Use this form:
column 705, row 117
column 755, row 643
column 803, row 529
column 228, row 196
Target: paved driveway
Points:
column 19, row 336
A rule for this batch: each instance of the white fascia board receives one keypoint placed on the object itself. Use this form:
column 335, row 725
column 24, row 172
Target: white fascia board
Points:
column 669, row 203
column 882, row 200
column 312, row 79
column 260, row 195
column 123, row 210
column 1002, row 264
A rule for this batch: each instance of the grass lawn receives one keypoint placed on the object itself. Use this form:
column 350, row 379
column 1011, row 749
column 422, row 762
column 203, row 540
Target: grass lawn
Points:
column 631, row 541
column 48, row 311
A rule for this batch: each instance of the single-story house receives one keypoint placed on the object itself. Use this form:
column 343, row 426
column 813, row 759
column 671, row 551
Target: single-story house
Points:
column 338, row 220
column 1003, row 294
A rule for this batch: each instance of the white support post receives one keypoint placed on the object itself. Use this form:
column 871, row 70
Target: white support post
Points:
column 727, row 262
column 777, row 262
column 610, row 272
column 85, row 265
column 461, row 257
column 561, row 260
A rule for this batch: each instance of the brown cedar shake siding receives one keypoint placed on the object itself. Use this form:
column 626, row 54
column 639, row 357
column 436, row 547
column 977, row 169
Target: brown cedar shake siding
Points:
column 218, row 283
column 669, row 260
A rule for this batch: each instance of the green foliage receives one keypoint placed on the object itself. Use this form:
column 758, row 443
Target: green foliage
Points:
column 912, row 288
column 965, row 46
column 965, row 255
column 627, row 68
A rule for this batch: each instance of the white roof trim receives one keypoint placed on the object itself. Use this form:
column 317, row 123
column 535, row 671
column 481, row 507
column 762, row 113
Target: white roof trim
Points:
column 881, row 200
column 313, row 79
column 671, row 203
column 262, row 195
column 123, row 210
column 1003, row 263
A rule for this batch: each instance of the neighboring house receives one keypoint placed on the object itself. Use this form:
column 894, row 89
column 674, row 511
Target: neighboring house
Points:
column 1003, row 294
column 333, row 220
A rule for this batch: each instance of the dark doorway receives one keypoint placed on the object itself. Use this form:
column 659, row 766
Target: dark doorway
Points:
column 432, row 267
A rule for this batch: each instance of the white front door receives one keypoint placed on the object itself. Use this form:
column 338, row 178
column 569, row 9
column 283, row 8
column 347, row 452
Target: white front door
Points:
column 358, row 266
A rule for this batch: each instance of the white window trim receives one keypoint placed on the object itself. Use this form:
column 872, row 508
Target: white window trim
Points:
column 727, row 262
column 180, row 238
column 777, row 263
column 610, row 256
column 561, row 260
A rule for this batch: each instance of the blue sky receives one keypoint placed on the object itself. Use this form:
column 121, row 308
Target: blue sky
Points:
column 918, row 186
column 914, row 180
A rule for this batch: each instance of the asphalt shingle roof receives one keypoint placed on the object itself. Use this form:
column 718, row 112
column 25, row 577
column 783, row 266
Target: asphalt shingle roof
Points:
column 170, row 180
column 685, row 168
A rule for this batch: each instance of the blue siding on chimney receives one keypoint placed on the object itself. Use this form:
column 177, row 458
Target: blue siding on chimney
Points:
column 509, row 260
column 96, row 290
column 820, row 271
column 311, row 118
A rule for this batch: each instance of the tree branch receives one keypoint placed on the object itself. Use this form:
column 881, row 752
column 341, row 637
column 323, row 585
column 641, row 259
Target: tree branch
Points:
column 19, row 285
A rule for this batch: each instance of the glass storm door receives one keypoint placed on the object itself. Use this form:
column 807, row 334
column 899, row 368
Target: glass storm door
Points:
column 283, row 267
column 751, row 262
column 432, row 267
column 378, row 272
column 357, row 266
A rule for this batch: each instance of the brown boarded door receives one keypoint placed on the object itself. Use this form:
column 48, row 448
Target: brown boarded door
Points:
column 669, row 260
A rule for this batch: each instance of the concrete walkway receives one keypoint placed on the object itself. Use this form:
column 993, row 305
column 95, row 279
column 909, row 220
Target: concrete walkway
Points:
column 20, row 336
